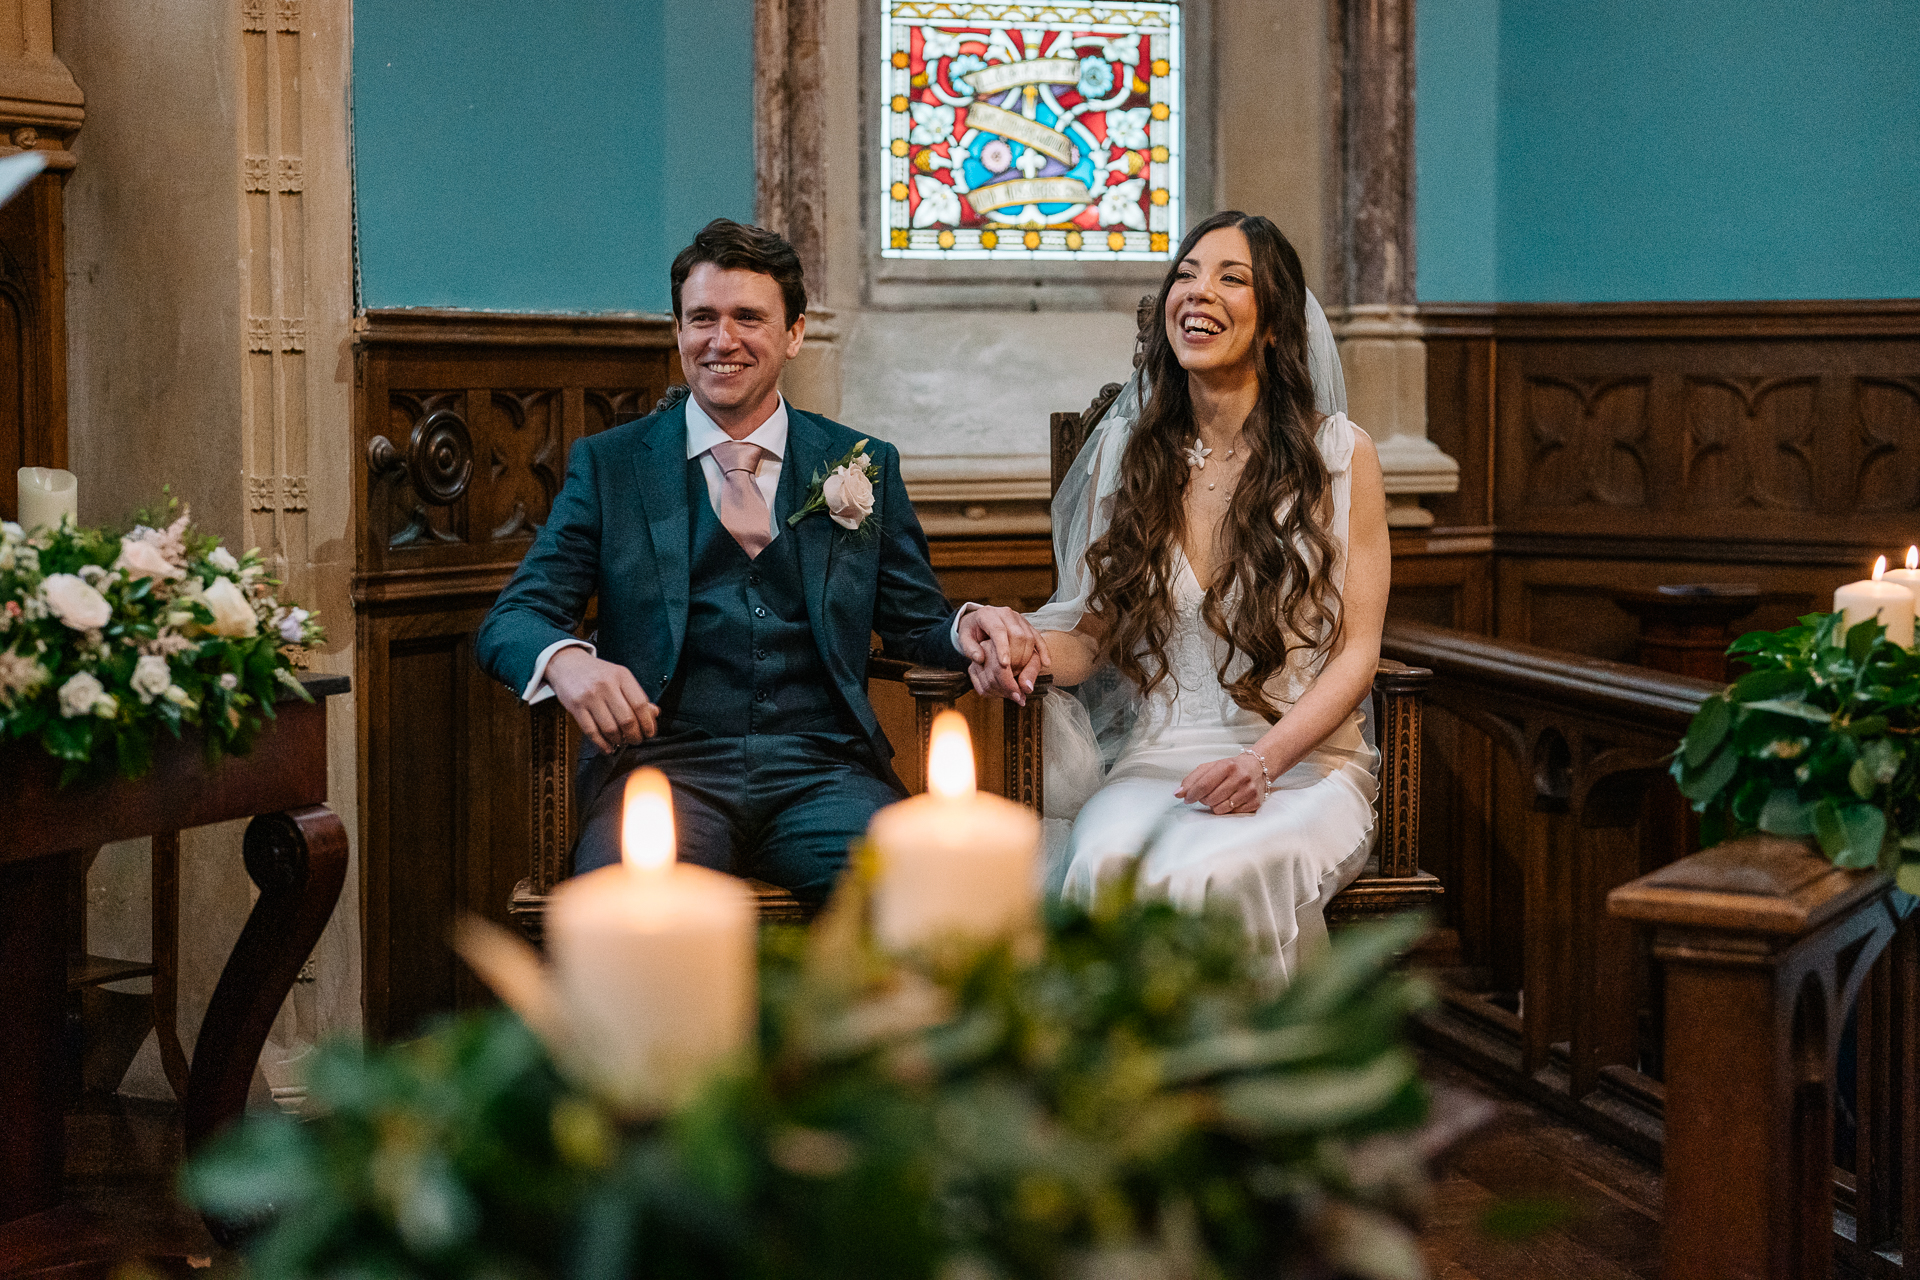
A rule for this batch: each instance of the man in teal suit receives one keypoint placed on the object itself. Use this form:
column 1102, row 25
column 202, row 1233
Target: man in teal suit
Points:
column 732, row 643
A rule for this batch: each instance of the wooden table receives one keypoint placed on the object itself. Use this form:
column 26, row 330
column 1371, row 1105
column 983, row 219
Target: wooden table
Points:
column 295, row 850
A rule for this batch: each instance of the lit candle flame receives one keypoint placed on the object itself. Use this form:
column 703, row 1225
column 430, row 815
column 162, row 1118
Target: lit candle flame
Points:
column 1913, row 557
column 646, row 823
column 1879, row 568
column 950, row 757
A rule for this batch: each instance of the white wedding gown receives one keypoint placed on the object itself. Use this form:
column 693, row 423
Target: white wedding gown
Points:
column 1309, row 837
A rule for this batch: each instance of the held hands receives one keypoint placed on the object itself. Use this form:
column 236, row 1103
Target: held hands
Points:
column 1005, row 654
column 1235, row 785
column 603, row 698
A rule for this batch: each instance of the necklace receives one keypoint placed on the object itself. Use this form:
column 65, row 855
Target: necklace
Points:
column 1198, row 453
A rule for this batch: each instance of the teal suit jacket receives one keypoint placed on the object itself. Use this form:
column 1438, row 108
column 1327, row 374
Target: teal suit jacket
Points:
column 620, row 530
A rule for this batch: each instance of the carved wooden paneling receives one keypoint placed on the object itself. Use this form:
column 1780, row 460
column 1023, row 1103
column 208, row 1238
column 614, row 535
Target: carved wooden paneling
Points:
column 462, row 426
column 1588, row 440
column 1749, row 443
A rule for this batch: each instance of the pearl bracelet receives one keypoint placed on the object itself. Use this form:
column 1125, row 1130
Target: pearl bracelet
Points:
column 1266, row 779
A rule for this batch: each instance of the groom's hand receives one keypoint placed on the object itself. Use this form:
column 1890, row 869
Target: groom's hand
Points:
column 1005, row 654
column 603, row 698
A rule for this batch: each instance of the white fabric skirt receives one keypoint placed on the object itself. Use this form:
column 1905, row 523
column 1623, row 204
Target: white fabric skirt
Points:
column 1277, row 866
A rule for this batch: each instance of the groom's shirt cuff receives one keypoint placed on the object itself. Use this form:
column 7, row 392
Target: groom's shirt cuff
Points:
column 953, row 632
column 538, row 690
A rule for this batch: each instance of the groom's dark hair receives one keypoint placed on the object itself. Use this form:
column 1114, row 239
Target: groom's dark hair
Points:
column 735, row 246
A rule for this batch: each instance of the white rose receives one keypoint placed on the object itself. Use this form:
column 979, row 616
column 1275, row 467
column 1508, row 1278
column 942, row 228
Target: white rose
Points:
column 79, row 695
column 232, row 615
column 222, row 559
column 229, row 681
column 11, row 533
column 75, row 603
column 150, row 678
column 141, row 559
column 849, row 496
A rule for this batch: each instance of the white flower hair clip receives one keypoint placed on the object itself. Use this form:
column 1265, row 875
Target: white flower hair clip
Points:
column 1197, row 454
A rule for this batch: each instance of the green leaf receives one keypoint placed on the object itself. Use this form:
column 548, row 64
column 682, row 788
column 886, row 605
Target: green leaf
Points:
column 1908, row 877
column 1316, row 1101
column 1861, row 636
column 1708, row 730
column 1707, row 783
column 1768, row 684
column 1792, row 707
column 1865, row 727
column 1850, row 835
column 1861, row 779
column 1786, row 814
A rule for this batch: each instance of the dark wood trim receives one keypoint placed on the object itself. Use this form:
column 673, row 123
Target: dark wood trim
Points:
column 1812, row 318
column 416, row 326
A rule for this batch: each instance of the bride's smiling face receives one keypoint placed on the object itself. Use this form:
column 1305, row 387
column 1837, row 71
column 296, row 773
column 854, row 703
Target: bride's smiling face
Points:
column 1211, row 319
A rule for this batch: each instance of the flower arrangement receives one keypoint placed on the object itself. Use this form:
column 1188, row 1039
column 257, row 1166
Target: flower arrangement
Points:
column 1133, row 1096
column 1820, row 738
column 106, row 640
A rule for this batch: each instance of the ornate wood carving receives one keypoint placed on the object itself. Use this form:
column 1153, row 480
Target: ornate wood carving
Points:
column 1588, row 437
column 1889, row 416
column 1749, row 442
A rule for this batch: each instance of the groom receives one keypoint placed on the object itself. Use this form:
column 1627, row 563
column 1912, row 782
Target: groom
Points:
column 732, row 644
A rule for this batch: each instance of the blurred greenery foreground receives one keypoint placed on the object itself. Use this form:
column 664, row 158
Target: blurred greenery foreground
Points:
column 1821, row 738
column 1127, row 1100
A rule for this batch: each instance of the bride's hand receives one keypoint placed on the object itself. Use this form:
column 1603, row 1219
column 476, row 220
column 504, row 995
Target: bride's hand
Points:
column 1229, row 786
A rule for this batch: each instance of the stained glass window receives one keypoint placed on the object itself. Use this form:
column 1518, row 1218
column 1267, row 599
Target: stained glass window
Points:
column 1029, row 131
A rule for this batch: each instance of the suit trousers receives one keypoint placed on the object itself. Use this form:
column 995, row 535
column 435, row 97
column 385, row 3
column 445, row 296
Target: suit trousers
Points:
column 782, row 808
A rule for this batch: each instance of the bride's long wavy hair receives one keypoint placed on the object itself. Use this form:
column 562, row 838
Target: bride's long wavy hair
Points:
column 1273, row 591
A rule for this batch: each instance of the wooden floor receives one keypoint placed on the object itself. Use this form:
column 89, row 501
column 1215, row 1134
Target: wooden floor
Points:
column 1528, row 1196
column 1581, row 1208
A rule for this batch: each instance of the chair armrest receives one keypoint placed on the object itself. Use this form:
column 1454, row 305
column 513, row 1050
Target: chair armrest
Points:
column 1397, row 690
column 553, row 751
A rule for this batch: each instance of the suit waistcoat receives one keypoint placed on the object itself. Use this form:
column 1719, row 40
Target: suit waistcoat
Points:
column 749, row 664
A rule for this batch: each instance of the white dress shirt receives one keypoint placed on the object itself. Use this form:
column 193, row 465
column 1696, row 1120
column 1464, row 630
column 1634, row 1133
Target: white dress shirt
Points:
column 702, row 434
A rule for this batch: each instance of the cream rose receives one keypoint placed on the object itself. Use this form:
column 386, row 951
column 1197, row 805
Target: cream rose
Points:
column 222, row 559
column 150, row 678
column 75, row 603
column 141, row 559
column 233, row 617
column 82, row 694
column 849, row 496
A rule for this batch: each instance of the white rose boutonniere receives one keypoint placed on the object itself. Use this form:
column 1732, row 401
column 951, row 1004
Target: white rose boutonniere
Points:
column 845, row 493
column 75, row 603
column 83, row 695
column 233, row 617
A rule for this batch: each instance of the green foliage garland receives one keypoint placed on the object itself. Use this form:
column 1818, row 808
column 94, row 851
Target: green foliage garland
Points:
column 107, row 640
column 1818, row 739
column 1133, row 1091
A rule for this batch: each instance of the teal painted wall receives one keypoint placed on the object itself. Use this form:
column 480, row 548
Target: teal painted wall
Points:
column 1720, row 149
column 544, row 155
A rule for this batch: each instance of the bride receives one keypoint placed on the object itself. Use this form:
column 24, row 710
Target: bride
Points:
column 1223, row 623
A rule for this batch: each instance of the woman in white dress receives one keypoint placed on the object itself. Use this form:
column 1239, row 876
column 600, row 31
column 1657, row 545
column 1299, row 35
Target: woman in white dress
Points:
column 1223, row 623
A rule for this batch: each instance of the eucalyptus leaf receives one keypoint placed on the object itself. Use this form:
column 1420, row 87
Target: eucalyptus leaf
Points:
column 1316, row 1100
column 1908, row 877
column 1790, row 707
column 1786, row 814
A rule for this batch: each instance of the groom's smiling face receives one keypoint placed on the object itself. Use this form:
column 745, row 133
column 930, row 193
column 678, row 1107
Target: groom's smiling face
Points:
column 734, row 341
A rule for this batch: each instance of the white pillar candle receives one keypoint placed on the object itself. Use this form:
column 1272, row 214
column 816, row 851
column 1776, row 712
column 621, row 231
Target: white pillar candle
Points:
column 653, row 963
column 954, row 863
column 1872, row 598
column 45, row 496
column 1908, row 577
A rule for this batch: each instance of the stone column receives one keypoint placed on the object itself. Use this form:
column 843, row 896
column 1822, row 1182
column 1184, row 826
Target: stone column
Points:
column 789, row 143
column 1381, row 346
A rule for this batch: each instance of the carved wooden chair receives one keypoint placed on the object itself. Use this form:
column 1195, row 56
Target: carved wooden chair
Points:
column 1392, row 881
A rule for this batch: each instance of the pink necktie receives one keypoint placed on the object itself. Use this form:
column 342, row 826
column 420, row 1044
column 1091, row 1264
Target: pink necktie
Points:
column 742, row 510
